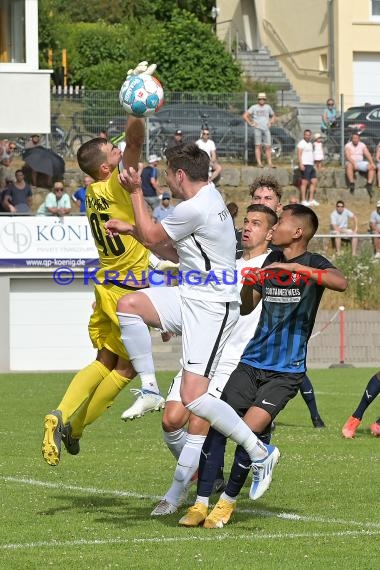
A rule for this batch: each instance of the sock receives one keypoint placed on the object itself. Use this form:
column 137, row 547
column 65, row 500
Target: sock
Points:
column 101, row 400
column 203, row 500
column 81, row 388
column 175, row 441
column 307, row 393
column 227, row 498
column 138, row 343
column 239, row 472
column 224, row 419
column 211, row 461
column 187, row 465
column 370, row 393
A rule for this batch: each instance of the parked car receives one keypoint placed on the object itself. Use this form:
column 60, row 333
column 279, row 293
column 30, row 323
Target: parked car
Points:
column 227, row 130
column 364, row 119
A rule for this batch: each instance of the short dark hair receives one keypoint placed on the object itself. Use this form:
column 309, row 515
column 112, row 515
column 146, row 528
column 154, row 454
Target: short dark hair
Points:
column 307, row 215
column 266, row 181
column 339, row 202
column 272, row 217
column 191, row 159
column 233, row 209
column 90, row 156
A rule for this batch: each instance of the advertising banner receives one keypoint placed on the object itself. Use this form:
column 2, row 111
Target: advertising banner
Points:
column 42, row 241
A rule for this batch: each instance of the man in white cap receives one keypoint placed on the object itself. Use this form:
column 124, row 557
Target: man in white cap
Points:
column 261, row 117
column 149, row 182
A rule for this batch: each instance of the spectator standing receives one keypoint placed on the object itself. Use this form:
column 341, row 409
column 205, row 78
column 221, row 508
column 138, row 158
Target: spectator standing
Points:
column 208, row 145
column 374, row 224
column 17, row 198
column 306, row 165
column 329, row 116
column 176, row 139
column 160, row 212
column 318, row 153
column 149, row 182
column 358, row 159
column 80, row 194
column 57, row 202
column 339, row 222
column 261, row 117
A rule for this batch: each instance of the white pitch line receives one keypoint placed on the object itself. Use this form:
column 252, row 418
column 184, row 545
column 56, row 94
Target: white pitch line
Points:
column 253, row 512
column 220, row 537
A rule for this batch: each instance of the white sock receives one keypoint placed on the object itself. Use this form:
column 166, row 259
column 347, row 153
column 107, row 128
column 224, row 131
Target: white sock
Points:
column 224, row 419
column 175, row 440
column 227, row 498
column 137, row 342
column 187, row 465
column 203, row 500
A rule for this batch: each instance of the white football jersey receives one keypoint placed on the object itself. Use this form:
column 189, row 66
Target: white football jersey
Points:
column 203, row 234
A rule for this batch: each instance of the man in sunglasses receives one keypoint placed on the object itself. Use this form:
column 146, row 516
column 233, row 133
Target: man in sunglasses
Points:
column 208, row 145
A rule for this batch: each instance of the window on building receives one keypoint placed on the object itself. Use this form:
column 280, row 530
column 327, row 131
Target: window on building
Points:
column 323, row 62
column 12, row 31
column 375, row 9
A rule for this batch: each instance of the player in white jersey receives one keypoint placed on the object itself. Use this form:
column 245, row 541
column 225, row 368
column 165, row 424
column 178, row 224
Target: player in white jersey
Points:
column 186, row 445
column 200, row 235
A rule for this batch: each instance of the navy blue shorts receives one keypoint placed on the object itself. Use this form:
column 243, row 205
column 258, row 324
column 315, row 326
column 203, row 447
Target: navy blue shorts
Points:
column 309, row 173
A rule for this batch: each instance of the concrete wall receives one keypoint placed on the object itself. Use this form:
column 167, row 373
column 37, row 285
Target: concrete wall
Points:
column 361, row 346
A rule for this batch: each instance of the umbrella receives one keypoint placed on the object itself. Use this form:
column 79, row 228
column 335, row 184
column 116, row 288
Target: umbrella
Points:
column 45, row 161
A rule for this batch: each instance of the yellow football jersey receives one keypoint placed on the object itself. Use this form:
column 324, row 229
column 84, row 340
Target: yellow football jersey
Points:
column 107, row 199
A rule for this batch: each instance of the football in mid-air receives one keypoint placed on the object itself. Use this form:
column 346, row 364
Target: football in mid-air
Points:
column 141, row 95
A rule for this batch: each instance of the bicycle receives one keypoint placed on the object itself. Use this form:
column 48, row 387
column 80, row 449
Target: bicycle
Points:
column 66, row 143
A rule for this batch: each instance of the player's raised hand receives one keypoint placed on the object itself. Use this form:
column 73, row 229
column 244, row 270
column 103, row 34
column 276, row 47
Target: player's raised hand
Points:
column 115, row 227
column 142, row 68
column 130, row 180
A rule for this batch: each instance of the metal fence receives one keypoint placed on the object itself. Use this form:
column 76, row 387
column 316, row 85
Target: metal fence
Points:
column 78, row 115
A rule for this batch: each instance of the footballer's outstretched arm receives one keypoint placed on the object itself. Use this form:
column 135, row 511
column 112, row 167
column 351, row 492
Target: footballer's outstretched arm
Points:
column 250, row 298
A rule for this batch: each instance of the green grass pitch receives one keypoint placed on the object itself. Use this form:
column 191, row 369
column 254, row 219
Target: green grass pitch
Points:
column 93, row 510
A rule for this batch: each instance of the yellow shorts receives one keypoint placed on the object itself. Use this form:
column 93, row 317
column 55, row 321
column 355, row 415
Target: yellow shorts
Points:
column 104, row 327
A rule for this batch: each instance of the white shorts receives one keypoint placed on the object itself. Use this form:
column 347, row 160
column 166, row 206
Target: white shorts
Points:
column 205, row 326
column 215, row 387
column 167, row 302
column 360, row 166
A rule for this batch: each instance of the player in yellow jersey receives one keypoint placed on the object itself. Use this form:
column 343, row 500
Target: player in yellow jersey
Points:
column 123, row 269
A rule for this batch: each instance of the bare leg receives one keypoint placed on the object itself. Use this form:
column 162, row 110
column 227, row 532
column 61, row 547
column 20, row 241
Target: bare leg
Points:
column 258, row 154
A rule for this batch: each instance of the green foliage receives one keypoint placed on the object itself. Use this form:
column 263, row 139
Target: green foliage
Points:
column 188, row 54
column 363, row 274
column 190, row 57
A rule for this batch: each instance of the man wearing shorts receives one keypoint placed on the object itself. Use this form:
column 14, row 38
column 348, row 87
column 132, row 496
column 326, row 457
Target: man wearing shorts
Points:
column 186, row 446
column 359, row 159
column 261, row 117
column 205, row 306
column 339, row 221
column 305, row 156
column 93, row 389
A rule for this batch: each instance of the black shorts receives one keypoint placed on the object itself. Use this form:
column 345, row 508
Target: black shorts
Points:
column 266, row 389
column 309, row 172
